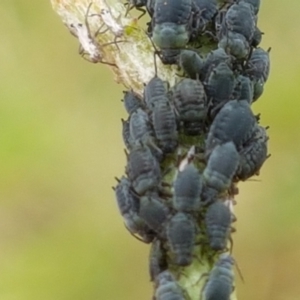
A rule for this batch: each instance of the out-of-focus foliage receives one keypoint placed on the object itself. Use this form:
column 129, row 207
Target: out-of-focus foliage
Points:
column 60, row 146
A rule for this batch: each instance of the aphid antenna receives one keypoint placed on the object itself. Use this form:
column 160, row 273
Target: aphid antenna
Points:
column 239, row 270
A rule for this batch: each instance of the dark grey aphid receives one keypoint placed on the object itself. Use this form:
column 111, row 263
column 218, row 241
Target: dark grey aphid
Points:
column 221, row 166
column 167, row 288
column 213, row 59
column 207, row 10
column 143, row 169
column 220, row 84
column 234, row 122
column 153, row 211
column 187, row 189
column 191, row 104
column 132, row 101
column 139, row 127
column 235, row 44
column 128, row 203
column 126, row 133
column 243, row 89
column 258, row 65
column 219, row 285
column 253, row 154
column 181, row 234
column 191, row 63
column 217, row 222
column 240, row 19
column 164, row 125
column 171, row 23
column 157, row 260
column 154, row 90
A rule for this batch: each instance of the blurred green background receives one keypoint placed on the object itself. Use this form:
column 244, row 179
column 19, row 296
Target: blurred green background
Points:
column 61, row 236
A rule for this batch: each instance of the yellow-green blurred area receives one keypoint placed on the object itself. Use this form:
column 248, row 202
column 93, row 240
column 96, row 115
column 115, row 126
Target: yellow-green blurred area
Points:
column 61, row 236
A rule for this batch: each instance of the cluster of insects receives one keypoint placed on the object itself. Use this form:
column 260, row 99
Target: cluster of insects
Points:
column 188, row 145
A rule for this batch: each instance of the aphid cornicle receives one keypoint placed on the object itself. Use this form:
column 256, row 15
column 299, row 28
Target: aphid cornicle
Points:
column 219, row 285
column 181, row 234
column 253, row 154
column 132, row 101
column 258, row 65
column 191, row 63
column 171, row 23
column 164, row 125
column 220, row 84
column 234, row 122
column 143, row 169
column 191, row 104
column 153, row 212
column 187, row 189
column 218, row 221
column 128, row 204
column 167, row 288
column 157, row 259
column 221, row 166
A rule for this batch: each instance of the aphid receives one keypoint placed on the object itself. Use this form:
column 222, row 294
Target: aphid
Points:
column 153, row 211
column 218, row 221
column 132, row 101
column 240, row 19
column 153, row 91
column 221, row 166
column 139, row 127
column 167, row 288
column 157, row 259
column 258, row 65
column 234, row 122
column 207, row 10
column 128, row 204
column 191, row 104
column 191, row 63
column 235, row 44
column 187, row 189
column 213, row 59
column 253, row 154
column 143, row 169
column 171, row 23
column 126, row 133
column 243, row 89
column 220, row 84
column 181, row 234
column 219, row 285
column 164, row 125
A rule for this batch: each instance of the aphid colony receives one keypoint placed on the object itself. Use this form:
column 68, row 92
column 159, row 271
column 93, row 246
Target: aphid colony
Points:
column 188, row 145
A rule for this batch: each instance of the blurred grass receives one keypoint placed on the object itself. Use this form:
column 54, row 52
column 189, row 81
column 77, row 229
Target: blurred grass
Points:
column 60, row 233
